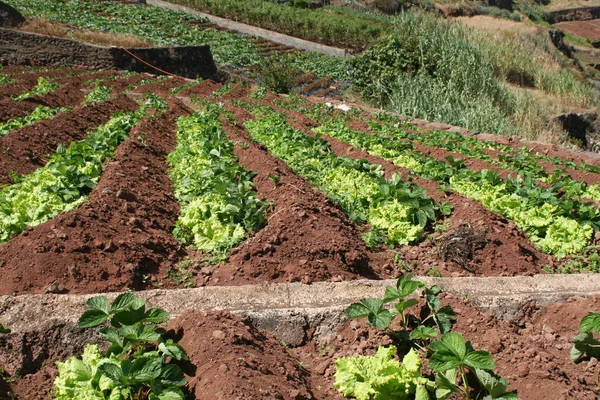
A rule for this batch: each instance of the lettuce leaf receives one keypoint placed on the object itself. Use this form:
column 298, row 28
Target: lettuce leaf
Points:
column 381, row 377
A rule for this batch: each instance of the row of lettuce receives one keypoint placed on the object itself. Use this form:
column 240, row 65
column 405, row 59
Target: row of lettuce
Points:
column 222, row 207
column 552, row 209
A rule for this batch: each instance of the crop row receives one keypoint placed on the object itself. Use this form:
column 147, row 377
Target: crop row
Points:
column 397, row 211
column 555, row 225
column 219, row 205
column 64, row 182
column 171, row 28
column 38, row 114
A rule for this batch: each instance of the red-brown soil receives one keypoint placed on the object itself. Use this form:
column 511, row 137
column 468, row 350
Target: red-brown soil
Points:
column 234, row 360
column 585, row 29
column 120, row 238
column 230, row 359
column 26, row 149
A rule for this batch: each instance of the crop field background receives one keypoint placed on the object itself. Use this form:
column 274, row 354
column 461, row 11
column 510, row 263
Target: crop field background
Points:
column 115, row 181
column 105, row 191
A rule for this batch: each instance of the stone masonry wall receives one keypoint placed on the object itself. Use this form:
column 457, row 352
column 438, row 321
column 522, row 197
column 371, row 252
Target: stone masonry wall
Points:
column 32, row 49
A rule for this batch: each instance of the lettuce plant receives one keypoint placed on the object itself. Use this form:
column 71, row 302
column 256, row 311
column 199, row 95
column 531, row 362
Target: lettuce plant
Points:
column 381, row 377
column 138, row 364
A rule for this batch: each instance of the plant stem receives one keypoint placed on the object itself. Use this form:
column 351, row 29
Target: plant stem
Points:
column 465, row 383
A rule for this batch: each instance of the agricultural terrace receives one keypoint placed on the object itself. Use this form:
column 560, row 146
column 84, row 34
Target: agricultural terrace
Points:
column 135, row 183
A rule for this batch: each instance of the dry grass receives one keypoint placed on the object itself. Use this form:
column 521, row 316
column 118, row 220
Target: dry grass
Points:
column 567, row 4
column 496, row 25
column 43, row 26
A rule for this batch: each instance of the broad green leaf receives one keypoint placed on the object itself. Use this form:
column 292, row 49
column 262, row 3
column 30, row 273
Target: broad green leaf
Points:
column 148, row 334
column 479, row 359
column 406, row 286
column 111, row 336
column 4, row 330
column 172, row 375
column 127, row 318
column 443, row 360
column 444, row 319
column 445, row 384
column 495, row 385
column 145, row 369
column 423, row 332
column 364, row 308
column 98, row 303
column 91, row 318
column 455, row 343
column 156, row 315
column 584, row 345
column 421, row 393
column 589, row 322
column 171, row 394
column 122, row 302
column 130, row 332
column 113, row 371
column 403, row 305
column 80, row 370
column 391, row 294
column 381, row 320
column 173, row 350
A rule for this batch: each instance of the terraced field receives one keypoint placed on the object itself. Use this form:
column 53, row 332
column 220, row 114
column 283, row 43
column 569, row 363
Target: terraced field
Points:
column 114, row 181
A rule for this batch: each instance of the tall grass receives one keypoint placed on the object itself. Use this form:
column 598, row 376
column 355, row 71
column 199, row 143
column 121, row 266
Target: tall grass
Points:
column 439, row 70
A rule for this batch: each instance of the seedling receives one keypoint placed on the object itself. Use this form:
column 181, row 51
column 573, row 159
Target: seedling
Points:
column 453, row 359
column 417, row 331
column 136, row 365
column 584, row 344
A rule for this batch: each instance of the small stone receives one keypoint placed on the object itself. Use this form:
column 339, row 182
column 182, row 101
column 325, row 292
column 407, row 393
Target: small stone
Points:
column 111, row 247
column 303, row 262
column 218, row 335
column 126, row 195
column 320, row 369
column 54, row 288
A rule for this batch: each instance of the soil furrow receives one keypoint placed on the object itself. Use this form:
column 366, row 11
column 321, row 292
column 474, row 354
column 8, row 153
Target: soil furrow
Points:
column 26, row 149
column 306, row 238
column 120, row 238
column 507, row 252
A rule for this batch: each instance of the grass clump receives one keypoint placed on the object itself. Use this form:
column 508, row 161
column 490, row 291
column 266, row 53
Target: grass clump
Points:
column 439, row 70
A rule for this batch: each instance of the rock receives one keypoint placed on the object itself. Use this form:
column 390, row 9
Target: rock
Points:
column 218, row 335
column 579, row 126
column 126, row 195
column 10, row 16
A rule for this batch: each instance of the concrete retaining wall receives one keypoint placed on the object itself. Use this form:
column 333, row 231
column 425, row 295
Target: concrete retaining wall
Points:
column 32, row 49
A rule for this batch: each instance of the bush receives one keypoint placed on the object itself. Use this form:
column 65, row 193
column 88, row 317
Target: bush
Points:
column 277, row 74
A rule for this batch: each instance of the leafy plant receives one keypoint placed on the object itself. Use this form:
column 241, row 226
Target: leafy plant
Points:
column 65, row 181
column 453, row 359
column 44, row 85
column 585, row 344
column 397, row 210
column 139, row 362
column 40, row 113
column 98, row 95
column 381, row 377
column 218, row 210
column 414, row 329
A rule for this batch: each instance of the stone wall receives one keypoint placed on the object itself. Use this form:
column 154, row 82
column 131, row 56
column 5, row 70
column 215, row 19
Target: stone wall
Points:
column 574, row 14
column 32, row 49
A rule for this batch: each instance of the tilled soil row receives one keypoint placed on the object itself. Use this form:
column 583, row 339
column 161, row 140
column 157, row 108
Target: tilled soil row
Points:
column 26, row 149
column 507, row 252
column 230, row 358
column 120, row 238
